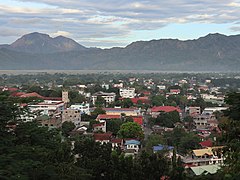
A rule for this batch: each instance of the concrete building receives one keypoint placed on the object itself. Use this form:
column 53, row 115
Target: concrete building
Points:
column 84, row 108
column 72, row 115
column 49, row 107
column 127, row 92
column 108, row 97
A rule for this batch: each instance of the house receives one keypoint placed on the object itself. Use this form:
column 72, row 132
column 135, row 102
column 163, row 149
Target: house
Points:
column 206, row 144
column 117, row 143
column 155, row 111
column 143, row 100
column 175, row 91
column 102, row 137
column 127, row 92
column 206, row 169
column 132, row 145
column 105, row 117
column 206, row 156
column 120, row 111
column 138, row 119
column 161, row 147
column 100, row 126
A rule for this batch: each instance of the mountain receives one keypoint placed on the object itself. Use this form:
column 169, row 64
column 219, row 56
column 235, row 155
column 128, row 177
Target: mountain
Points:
column 43, row 43
column 214, row 52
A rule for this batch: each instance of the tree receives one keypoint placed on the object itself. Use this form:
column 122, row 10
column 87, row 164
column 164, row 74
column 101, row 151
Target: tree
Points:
column 100, row 102
column 158, row 100
column 131, row 130
column 113, row 125
column 231, row 136
column 127, row 103
column 67, row 127
column 97, row 111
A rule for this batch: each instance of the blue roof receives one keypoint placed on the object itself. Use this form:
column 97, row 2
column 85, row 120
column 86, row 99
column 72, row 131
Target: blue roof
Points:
column 161, row 147
column 135, row 142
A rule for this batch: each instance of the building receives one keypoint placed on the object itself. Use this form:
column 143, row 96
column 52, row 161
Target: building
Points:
column 102, row 137
column 102, row 126
column 206, row 156
column 155, row 111
column 72, row 115
column 49, row 107
column 108, row 97
column 202, row 121
column 133, row 145
column 65, row 98
column 193, row 111
column 211, row 110
column 127, row 92
column 84, row 108
column 120, row 111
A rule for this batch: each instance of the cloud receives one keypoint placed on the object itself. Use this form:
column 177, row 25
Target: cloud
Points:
column 81, row 19
column 235, row 28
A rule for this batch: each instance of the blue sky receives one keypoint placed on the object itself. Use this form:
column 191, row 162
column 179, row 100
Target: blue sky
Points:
column 109, row 23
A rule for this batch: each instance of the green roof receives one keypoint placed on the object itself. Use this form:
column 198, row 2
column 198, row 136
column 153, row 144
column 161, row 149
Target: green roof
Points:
column 208, row 169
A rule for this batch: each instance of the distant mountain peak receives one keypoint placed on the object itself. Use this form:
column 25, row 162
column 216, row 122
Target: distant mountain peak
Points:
column 42, row 43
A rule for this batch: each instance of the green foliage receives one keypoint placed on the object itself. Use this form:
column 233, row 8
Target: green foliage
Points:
column 127, row 103
column 153, row 140
column 75, row 97
column 183, row 141
column 231, row 136
column 67, row 127
column 113, row 125
column 167, row 119
column 131, row 130
column 97, row 111
column 158, row 100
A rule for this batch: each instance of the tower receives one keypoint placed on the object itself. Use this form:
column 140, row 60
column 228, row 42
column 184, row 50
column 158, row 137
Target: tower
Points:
column 65, row 98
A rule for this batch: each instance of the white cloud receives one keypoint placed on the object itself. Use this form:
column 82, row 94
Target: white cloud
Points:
column 81, row 19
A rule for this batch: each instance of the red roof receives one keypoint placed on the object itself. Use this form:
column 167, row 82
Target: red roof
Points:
column 53, row 98
column 120, row 109
column 207, row 143
column 138, row 119
column 165, row 109
column 18, row 94
column 100, row 124
column 102, row 136
column 33, row 94
column 144, row 100
column 105, row 116
column 11, row 89
column 117, row 140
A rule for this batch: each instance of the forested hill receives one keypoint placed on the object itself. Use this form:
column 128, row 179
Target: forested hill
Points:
column 214, row 52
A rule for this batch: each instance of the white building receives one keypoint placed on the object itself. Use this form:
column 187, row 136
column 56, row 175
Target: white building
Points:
column 83, row 108
column 127, row 92
column 48, row 106
column 108, row 97
column 211, row 110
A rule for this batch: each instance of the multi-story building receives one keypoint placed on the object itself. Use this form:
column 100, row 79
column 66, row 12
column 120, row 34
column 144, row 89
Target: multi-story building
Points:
column 193, row 111
column 84, row 108
column 48, row 107
column 127, row 92
column 207, row 156
column 202, row 121
column 72, row 115
column 108, row 97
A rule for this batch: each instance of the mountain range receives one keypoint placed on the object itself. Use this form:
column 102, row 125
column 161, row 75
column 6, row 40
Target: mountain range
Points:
column 37, row 51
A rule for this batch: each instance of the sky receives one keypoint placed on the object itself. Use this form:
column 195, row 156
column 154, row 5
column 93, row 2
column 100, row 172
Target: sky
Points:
column 109, row 23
